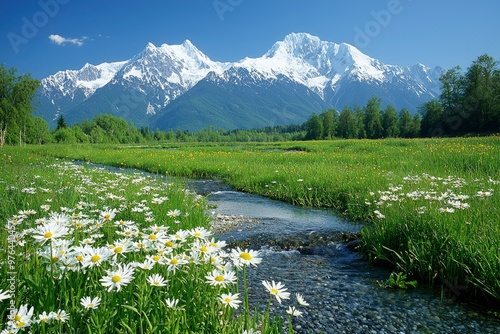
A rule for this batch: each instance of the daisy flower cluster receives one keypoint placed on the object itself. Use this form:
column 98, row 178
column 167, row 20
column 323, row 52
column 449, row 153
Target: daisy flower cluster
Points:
column 119, row 237
column 427, row 194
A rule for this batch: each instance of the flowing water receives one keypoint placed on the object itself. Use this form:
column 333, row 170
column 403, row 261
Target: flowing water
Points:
column 304, row 249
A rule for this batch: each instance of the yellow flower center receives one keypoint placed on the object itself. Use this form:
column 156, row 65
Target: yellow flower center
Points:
column 246, row 256
column 227, row 300
column 197, row 234
column 203, row 249
column 118, row 250
column 91, row 305
column 95, row 258
column 47, row 235
column 107, row 216
column 274, row 291
column 156, row 258
column 152, row 236
column 17, row 317
column 79, row 258
column 174, row 261
column 20, row 324
column 169, row 244
column 219, row 278
column 55, row 259
column 116, row 278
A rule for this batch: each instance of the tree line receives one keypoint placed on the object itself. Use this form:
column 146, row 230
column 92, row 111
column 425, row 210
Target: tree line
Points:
column 363, row 122
column 469, row 103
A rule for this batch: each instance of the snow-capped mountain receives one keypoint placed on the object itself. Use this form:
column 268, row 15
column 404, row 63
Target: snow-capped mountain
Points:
column 166, row 72
column 297, row 76
column 80, row 82
column 324, row 67
column 66, row 89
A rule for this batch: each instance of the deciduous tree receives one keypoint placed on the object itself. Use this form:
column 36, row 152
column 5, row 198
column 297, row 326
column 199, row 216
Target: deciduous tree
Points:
column 16, row 93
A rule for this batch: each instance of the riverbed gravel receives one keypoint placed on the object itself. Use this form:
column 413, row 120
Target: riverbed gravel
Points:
column 343, row 293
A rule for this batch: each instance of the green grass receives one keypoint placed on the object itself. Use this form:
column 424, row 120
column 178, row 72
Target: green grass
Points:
column 400, row 188
column 126, row 219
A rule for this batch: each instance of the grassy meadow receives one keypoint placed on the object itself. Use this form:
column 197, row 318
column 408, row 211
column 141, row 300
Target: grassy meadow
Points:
column 87, row 250
column 431, row 208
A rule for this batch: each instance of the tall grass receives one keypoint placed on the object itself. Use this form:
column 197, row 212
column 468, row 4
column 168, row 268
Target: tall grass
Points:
column 459, row 250
column 92, row 251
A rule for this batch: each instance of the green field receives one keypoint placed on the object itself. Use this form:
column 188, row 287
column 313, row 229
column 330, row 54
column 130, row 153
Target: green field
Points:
column 431, row 206
column 86, row 250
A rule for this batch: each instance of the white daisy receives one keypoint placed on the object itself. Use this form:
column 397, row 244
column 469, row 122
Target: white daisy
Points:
column 4, row 295
column 231, row 300
column 49, row 231
column 90, row 303
column 278, row 290
column 247, row 257
column 122, row 276
column 156, row 280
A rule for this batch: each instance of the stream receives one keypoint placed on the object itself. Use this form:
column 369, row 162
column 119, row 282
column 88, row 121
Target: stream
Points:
column 304, row 249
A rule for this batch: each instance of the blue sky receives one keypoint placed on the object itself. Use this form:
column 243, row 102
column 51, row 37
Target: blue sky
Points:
column 401, row 32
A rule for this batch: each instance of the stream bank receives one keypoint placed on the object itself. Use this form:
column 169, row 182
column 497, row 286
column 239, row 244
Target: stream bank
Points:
column 305, row 249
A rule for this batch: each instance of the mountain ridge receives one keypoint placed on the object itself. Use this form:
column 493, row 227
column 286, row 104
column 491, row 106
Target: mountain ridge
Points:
column 301, row 67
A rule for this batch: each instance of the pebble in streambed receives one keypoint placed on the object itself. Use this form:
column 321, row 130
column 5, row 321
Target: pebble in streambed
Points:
column 344, row 297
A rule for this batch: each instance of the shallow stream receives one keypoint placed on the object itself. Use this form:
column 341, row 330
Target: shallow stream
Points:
column 304, row 249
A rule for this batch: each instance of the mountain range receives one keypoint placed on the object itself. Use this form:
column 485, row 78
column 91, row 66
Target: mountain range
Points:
column 179, row 87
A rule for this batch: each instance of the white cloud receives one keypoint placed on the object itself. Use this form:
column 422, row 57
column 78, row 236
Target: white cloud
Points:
column 59, row 40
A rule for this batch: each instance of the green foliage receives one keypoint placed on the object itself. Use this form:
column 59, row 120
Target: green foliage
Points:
column 405, row 124
column 39, row 133
column 390, row 122
column 16, row 94
column 347, row 127
column 314, row 127
column 397, row 280
column 469, row 100
column 373, row 119
column 65, row 136
column 329, row 119
column 61, row 123
column 432, row 119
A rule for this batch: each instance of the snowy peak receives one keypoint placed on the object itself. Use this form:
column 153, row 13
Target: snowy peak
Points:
column 329, row 59
column 299, row 45
column 322, row 65
column 87, row 80
column 168, row 65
